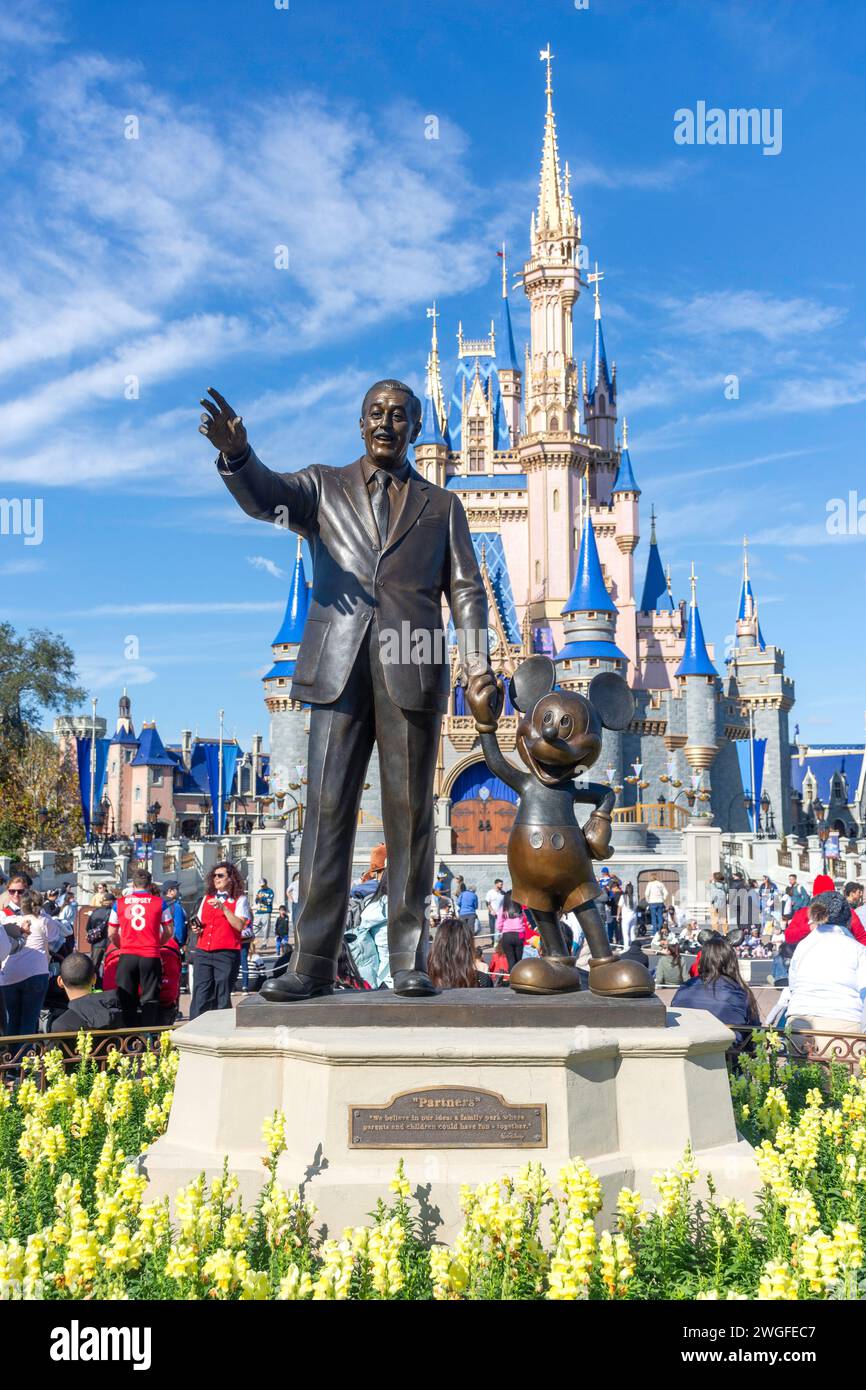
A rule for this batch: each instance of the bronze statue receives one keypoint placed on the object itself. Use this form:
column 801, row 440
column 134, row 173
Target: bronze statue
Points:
column 387, row 546
column 549, row 855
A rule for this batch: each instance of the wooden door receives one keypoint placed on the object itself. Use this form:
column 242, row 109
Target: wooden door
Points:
column 482, row 827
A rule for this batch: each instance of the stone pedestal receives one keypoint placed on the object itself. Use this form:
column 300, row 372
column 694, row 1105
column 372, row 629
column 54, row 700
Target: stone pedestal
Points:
column 625, row 1098
column 702, row 844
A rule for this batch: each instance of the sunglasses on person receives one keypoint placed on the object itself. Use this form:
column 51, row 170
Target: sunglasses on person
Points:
column 15, row 892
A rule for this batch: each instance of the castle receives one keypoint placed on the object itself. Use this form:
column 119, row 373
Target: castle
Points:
column 538, row 455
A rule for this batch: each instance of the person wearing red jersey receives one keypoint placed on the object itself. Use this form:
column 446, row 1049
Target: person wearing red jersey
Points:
column 799, row 928
column 139, row 924
column 222, row 915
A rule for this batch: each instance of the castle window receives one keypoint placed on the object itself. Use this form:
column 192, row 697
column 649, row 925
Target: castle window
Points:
column 137, row 796
column 554, row 424
column 576, row 538
column 602, row 404
column 556, row 499
column 476, row 460
column 538, row 571
column 475, row 429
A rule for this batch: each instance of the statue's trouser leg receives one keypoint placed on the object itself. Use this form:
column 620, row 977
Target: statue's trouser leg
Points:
column 340, row 744
column 594, row 930
column 408, row 744
column 546, row 924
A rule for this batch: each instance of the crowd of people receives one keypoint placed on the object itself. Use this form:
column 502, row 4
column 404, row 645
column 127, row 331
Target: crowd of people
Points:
column 144, row 948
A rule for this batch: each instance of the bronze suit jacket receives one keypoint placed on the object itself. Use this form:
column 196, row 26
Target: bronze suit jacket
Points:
column 428, row 554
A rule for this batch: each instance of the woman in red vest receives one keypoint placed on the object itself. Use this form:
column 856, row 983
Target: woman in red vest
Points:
column 222, row 915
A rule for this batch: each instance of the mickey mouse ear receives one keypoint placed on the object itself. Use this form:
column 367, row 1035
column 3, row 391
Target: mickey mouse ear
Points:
column 706, row 934
column 611, row 699
column 533, row 679
column 735, row 936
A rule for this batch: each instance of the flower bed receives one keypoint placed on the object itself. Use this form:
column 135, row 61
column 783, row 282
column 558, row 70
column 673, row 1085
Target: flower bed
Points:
column 74, row 1222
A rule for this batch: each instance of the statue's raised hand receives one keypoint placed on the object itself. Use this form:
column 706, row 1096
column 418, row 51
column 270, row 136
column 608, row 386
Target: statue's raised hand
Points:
column 222, row 426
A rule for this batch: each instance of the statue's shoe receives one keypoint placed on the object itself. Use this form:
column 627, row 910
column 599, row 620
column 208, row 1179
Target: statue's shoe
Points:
column 413, row 984
column 291, row 986
column 545, row 975
column 626, row 979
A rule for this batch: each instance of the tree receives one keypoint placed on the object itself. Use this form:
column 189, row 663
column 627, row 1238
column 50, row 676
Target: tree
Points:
column 38, row 779
column 37, row 673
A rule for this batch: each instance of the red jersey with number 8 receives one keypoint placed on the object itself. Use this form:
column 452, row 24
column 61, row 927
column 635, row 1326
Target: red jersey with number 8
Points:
column 140, row 917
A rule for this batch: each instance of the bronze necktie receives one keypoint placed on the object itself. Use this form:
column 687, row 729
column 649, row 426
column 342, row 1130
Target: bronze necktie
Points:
column 381, row 505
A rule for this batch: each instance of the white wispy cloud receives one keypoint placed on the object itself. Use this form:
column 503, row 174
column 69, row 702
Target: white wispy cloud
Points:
column 97, row 677
column 770, row 317
column 261, row 562
column 168, row 610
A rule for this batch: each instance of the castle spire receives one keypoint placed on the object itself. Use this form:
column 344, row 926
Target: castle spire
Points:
column 434, row 374
column 507, row 356
column 748, row 627
column 656, row 597
column 625, row 479
column 600, row 370
column 553, row 216
column 696, row 659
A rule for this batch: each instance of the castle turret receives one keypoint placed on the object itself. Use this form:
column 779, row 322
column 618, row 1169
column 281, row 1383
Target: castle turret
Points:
column 599, row 389
column 551, row 280
column 431, row 446
column 288, row 731
column 589, row 621
column 764, row 696
column 510, row 374
column 697, row 674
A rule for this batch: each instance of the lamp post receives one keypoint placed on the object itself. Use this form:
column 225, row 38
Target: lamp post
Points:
column 42, row 814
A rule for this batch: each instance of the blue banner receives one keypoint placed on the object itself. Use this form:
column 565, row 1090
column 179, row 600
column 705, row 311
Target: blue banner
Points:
column 82, row 753
column 212, row 763
column 749, row 750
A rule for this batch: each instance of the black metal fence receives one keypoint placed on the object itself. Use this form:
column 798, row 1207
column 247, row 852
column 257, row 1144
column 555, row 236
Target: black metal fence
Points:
column 129, row 1042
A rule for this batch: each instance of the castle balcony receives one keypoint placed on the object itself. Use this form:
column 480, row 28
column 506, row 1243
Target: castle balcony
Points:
column 461, row 732
column 658, row 815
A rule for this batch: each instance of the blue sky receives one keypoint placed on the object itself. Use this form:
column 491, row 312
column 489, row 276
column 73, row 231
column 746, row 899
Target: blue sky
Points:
column 153, row 258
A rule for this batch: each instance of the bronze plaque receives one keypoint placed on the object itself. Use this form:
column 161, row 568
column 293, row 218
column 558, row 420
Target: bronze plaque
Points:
column 448, row 1117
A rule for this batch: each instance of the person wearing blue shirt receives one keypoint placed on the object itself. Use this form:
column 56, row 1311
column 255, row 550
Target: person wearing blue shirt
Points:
column 171, row 899
column 467, row 908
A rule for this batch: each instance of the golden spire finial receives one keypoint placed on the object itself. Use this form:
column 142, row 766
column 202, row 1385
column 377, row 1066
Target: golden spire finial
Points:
column 668, row 578
column 745, row 559
column 504, row 275
column 298, row 552
column 595, row 279
column 652, row 523
column 546, row 57
column 624, row 432
column 693, row 580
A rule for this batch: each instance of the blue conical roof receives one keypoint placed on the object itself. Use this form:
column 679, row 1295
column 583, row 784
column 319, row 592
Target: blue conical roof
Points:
column 625, row 479
column 431, row 430
column 656, row 596
column 505, row 354
column 696, row 658
column 746, row 593
column 600, row 370
column 589, row 591
column 292, row 629
column 151, row 751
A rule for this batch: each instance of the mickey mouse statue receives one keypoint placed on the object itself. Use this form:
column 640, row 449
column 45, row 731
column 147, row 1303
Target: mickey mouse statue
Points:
column 549, row 855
